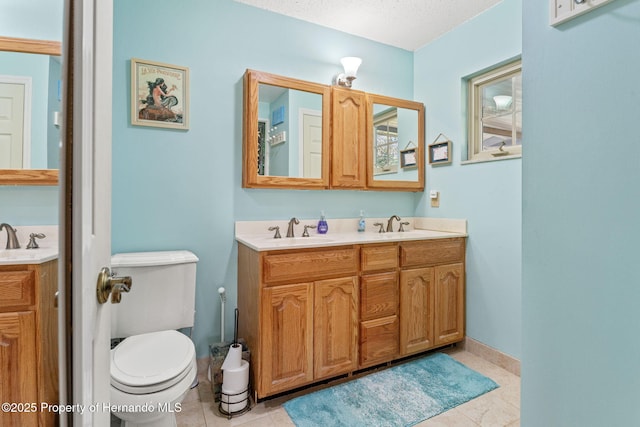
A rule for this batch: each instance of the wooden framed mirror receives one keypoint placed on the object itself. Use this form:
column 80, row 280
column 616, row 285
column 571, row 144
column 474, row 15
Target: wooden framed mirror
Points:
column 395, row 144
column 27, row 175
column 285, row 132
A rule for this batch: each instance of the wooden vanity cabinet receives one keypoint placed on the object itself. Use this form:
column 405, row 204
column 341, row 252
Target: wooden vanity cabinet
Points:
column 307, row 306
column 432, row 294
column 348, row 138
column 313, row 314
column 28, row 342
column 379, row 321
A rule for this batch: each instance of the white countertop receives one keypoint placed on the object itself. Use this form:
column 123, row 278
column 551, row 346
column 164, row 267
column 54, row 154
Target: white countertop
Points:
column 47, row 251
column 255, row 234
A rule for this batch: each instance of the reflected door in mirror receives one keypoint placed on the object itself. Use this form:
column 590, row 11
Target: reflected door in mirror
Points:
column 285, row 132
column 12, row 124
column 30, row 101
column 289, row 132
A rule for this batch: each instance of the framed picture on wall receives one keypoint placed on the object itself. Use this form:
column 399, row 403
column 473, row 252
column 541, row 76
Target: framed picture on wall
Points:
column 408, row 158
column 159, row 94
column 440, row 153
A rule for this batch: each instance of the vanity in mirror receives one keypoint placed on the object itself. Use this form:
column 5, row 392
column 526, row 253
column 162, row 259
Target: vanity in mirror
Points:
column 303, row 135
column 30, row 111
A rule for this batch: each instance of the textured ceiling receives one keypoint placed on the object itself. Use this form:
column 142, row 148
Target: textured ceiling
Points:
column 407, row 24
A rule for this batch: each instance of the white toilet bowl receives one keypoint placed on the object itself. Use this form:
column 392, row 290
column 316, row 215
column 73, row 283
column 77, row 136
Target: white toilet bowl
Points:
column 150, row 376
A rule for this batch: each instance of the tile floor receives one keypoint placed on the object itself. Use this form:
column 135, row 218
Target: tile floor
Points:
column 498, row 408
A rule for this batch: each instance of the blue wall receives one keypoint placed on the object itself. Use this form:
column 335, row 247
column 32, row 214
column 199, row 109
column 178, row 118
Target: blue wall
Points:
column 581, row 201
column 487, row 194
column 34, row 19
column 177, row 189
column 182, row 189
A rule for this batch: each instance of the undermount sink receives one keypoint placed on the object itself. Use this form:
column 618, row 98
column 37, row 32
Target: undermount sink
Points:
column 311, row 240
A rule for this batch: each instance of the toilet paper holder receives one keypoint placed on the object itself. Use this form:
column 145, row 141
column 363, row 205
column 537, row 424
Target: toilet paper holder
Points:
column 233, row 399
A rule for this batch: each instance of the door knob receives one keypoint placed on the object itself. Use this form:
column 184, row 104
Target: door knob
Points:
column 109, row 284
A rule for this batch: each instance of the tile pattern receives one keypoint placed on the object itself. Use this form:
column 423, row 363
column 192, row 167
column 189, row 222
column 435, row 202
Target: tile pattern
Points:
column 498, row 408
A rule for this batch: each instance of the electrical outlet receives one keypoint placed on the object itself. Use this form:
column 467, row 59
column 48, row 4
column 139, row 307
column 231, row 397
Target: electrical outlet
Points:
column 434, row 196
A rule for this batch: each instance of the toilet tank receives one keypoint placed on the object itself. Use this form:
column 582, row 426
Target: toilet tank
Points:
column 162, row 295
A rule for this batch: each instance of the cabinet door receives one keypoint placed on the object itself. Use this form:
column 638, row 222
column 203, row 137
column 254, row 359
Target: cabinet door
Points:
column 336, row 326
column 18, row 366
column 449, row 321
column 416, row 310
column 287, row 337
column 348, row 138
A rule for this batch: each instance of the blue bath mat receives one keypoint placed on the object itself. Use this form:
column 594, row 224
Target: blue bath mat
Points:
column 400, row 396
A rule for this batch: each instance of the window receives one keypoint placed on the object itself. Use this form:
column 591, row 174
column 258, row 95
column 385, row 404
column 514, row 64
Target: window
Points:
column 385, row 125
column 495, row 114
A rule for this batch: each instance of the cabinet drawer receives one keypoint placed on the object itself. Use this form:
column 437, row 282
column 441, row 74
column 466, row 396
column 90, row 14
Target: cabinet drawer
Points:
column 312, row 265
column 431, row 252
column 374, row 258
column 16, row 289
column 378, row 340
column 378, row 295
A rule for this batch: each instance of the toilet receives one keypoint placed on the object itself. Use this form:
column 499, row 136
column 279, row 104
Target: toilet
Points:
column 154, row 366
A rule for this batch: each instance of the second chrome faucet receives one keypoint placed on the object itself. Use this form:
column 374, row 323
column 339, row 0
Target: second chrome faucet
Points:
column 293, row 221
column 12, row 239
column 390, row 223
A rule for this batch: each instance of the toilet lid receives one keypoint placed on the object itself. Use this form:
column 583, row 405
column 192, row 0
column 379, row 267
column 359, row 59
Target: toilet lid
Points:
column 155, row 360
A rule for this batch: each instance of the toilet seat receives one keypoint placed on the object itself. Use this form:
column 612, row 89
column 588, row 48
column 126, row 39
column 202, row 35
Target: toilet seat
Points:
column 148, row 363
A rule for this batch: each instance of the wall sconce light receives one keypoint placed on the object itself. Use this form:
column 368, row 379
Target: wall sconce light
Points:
column 350, row 64
column 502, row 101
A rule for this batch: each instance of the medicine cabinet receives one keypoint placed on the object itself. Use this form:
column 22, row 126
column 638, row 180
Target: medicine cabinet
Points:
column 303, row 135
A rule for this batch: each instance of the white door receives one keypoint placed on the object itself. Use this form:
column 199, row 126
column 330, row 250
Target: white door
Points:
column 15, row 109
column 312, row 145
column 91, row 204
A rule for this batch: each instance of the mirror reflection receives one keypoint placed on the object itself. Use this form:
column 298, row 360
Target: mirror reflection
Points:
column 289, row 132
column 30, row 106
column 395, row 134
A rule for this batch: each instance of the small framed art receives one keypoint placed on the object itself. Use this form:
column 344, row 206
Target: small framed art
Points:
column 159, row 94
column 408, row 158
column 440, row 153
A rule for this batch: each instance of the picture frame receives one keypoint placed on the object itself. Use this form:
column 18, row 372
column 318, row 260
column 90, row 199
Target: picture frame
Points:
column 159, row 94
column 440, row 153
column 408, row 158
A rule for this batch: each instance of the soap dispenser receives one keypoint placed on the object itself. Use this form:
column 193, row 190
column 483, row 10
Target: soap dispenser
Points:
column 361, row 223
column 322, row 224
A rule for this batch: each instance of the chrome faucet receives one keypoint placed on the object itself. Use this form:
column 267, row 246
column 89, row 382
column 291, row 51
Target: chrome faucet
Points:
column 292, row 221
column 390, row 223
column 12, row 239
